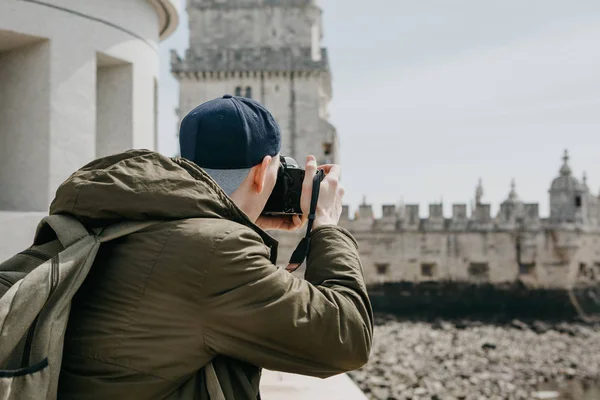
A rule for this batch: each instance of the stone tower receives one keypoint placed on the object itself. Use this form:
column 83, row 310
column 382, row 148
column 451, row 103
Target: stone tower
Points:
column 269, row 50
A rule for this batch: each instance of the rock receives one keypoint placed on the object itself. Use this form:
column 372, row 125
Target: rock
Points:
column 477, row 361
column 540, row 327
column 545, row 395
column 566, row 329
column 437, row 324
column 460, row 325
column 519, row 325
column 380, row 393
column 488, row 346
column 420, row 391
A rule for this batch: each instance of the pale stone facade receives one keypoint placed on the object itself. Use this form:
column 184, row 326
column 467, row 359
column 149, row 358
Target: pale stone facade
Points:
column 78, row 80
column 269, row 51
column 517, row 244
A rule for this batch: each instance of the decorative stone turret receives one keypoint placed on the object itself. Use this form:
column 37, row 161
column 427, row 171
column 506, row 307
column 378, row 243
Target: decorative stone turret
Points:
column 567, row 203
column 592, row 205
column 512, row 210
column 479, row 192
column 481, row 213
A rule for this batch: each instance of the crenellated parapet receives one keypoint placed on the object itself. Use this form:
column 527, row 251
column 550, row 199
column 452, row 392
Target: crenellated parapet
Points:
column 223, row 63
column 407, row 218
column 573, row 207
column 460, row 219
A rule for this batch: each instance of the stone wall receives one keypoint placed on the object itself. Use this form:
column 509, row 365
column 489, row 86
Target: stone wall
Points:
column 247, row 24
column 540, row 255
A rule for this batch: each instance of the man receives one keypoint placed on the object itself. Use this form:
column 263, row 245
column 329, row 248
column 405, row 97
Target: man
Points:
column 201, row 286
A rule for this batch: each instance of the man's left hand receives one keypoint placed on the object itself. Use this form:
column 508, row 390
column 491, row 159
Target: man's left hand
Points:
column 282, row 223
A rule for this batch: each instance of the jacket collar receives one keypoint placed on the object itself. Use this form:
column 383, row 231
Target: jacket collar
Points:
column 230, row 210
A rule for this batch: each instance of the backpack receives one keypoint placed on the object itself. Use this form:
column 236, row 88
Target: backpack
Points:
column 36, row 289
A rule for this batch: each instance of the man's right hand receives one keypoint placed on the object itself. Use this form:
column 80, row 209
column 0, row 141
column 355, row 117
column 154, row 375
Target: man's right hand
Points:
column 329, row 205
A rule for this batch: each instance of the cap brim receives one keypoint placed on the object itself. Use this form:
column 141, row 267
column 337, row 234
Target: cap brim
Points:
column 228, row 179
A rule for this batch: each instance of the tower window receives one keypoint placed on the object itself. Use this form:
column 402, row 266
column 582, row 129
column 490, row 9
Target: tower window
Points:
column 526, row 268
column 382, row 268
column 238, row 91
column 428, row 270
column 249, row 92
column 577, row 201
column 479, row 271
column 327, row 148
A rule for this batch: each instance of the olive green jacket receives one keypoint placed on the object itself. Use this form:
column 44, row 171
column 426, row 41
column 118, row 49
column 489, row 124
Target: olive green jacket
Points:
column 160, row 304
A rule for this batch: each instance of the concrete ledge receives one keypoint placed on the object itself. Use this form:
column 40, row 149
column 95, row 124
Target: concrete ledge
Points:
column 279, row 385
column 168, row 16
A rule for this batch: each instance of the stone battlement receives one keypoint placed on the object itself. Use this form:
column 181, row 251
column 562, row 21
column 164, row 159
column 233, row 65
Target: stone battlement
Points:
column 572, row 207
column 263, row 59
column 229, row 4
column 407, row 218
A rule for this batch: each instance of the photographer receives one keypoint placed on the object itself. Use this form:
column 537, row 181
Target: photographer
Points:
column 167, row 308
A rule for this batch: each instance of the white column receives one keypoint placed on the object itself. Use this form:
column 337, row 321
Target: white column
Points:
column 24, row 132
column 73, row 112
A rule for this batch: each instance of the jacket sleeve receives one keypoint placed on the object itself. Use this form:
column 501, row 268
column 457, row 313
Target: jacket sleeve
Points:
column 261, row 314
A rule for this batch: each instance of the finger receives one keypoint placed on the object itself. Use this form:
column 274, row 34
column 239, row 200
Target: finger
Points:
column 309, row 173
column 311, row 168
column 288, row 225
column 325, row 167
column 297, row 221
column 292, row 267
column 335, row 172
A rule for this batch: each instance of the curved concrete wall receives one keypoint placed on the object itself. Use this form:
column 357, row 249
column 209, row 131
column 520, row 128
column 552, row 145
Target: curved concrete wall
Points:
column 78, row 80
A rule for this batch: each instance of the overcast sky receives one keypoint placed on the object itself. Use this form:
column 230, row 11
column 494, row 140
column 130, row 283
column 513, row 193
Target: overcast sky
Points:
column 430, row 95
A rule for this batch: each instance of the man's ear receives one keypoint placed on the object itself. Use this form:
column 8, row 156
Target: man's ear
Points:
column 260, row 174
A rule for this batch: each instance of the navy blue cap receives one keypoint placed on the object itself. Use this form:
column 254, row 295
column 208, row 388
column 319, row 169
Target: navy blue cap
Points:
column 229, row 133
column 227, row 137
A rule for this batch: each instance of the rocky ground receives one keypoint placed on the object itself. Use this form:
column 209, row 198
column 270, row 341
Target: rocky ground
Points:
column 476, row 360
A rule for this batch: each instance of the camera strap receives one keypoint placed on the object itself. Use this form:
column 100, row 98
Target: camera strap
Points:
column 301, row 252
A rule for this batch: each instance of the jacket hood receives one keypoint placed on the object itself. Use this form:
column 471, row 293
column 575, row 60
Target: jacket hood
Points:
column 143, row 185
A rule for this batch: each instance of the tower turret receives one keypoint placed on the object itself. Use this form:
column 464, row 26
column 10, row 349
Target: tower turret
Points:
column 567, row 203
column 512, row 209
column 269, row 50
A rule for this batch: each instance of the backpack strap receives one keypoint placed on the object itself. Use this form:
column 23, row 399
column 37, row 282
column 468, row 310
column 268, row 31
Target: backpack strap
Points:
column 121, row 229
column 67, row 229
column 212, row 383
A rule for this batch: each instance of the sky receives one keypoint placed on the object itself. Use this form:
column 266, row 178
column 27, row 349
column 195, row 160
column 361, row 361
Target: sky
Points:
column 431, row 95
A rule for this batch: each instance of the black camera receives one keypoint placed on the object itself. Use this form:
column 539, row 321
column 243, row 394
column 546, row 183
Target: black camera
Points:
column 285, row 199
